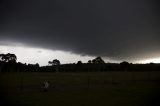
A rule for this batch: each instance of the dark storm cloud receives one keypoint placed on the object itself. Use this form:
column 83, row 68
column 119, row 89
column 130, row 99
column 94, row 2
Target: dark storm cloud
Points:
column 118, row 29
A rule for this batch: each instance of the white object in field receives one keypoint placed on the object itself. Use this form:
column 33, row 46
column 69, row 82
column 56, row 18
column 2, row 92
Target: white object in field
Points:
column 46, row 85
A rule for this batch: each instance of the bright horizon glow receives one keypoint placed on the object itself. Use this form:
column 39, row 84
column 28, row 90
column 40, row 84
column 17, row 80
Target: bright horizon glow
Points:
column 30, row 55
column 153, row 60
column 41, row 56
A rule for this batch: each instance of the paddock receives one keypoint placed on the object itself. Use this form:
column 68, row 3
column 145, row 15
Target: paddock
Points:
column 81, row 89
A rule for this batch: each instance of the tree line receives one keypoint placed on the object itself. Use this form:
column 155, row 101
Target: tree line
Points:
column 8, row 63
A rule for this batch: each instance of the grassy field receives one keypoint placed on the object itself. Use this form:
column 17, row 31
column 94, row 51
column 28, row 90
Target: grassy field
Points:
column 81, row 89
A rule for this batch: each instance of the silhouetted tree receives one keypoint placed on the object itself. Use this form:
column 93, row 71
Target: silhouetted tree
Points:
column 79, row 66
column 49, row 62
column 124, row 65
column 54, row 62
column 37, row 65
column 2, row 57
column 89, row 61
column 8, row 57
column 79, row 62
column 98, row 60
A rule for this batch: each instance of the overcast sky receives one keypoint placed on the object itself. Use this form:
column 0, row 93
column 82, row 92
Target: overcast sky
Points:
column 115, row 29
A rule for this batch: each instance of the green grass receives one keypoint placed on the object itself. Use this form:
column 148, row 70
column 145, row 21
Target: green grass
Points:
column 81, row 89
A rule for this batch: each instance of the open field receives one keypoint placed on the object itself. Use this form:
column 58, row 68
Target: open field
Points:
column 81, row 89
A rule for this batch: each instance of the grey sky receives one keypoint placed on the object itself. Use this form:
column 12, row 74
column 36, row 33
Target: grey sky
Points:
column 118, row 29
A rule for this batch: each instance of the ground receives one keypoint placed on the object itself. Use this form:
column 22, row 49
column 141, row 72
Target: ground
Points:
column 81, row 89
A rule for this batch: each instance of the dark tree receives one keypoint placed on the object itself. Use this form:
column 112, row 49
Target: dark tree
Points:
column 37, row 65
column 50, row 63
column 79, row 62
column 98, row 60
column 124, row 63
column 2, row 57
column 54, row 62
column 89, row 61
column 8, row 57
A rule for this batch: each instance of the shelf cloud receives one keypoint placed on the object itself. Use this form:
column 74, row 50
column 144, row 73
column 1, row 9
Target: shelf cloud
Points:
column 116, row 29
